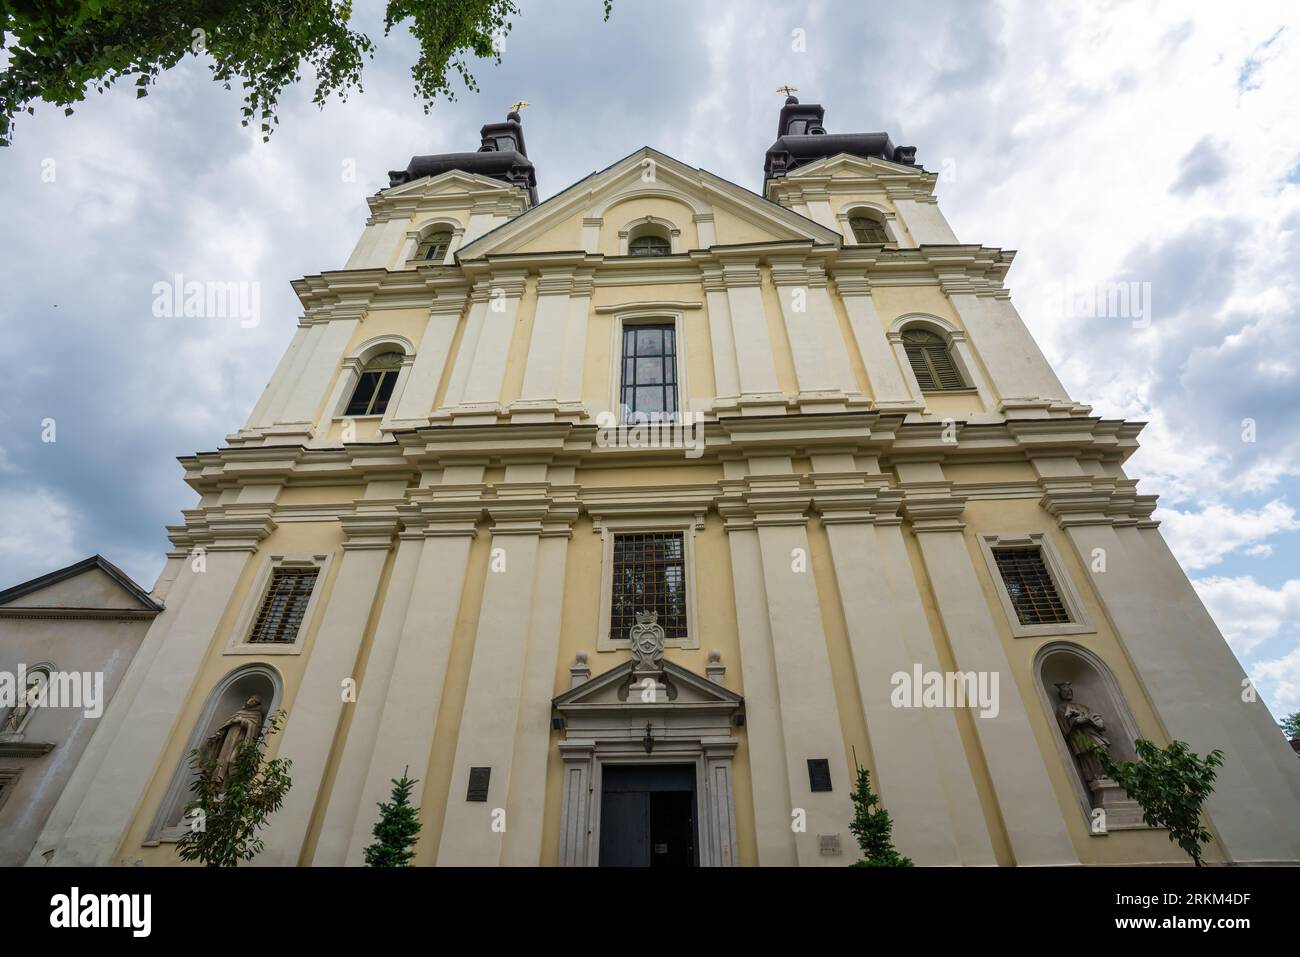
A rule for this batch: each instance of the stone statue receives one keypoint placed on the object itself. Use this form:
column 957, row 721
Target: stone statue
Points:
column 1083, row 729
column 223, row 744
column 27, row 700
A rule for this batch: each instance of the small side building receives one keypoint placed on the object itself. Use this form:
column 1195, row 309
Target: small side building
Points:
column 72, row 632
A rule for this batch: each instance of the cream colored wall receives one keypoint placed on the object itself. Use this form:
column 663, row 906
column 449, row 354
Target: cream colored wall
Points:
column 518, row 357
column 732, row 230
column 433, row 805
column 296, row 538
column 579, row 632
column 618, row 216
column 1024, row 515
column 786, row 377
column 715, row 584
column 93, row 646
column 564, row 234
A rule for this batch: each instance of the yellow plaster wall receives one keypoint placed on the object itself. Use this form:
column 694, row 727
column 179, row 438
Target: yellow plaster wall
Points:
column 293, row 538
column 1025, row 515
column 628, row 212
column 716, row 615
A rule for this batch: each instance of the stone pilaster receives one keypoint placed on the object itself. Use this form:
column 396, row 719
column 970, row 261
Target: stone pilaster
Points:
column 186, row 629
column 312, row 725
column 486, row 347
column 410, row 710
column 327, row 342
column 416, row 402
column 756, row 367
column 1020, row 372
column 372, row 691
column 1030, row 811
column 922, row 772
column 821, row 360
column 889, row 389
column 794, row 642
column 506, row 714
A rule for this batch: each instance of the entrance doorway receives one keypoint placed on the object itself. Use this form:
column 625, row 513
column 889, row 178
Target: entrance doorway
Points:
column 647, row 816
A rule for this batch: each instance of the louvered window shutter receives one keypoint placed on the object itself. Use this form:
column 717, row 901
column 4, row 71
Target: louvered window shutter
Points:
column 931, row 361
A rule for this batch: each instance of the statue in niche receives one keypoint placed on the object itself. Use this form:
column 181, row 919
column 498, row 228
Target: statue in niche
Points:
column 1083, row 729
column 224, row 743
column 28, row 699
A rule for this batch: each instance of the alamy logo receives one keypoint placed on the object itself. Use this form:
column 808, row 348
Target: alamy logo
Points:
column 24, row 690
column 660, row 430
column 75, row 909
column 946, row 689
column 192, row 299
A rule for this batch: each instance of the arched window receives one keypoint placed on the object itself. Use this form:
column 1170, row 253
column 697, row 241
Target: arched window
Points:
column 233, row 694
column 867, row 230
column 649, row 245
column 434, row 246
column 931, row 361
column 375, row 386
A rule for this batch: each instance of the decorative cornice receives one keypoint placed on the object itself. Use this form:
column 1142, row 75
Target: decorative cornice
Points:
column 80, row 614
column 933, row 507
column 1089, row 500
column 24, row 749
column 670, row 305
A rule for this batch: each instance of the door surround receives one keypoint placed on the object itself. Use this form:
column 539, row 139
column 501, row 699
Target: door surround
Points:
column 692, row 728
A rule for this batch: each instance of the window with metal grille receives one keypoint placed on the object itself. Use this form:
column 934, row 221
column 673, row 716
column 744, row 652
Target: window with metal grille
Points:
column 649, row 575
column 649, row 246
column 375, row 386
column 867, row 230
column 931, row 361
column 1030, row 587
column 649, row 371
column 281, row 614
column 434, row 246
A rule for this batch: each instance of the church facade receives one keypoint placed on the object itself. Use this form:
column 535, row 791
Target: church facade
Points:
column 630, row 521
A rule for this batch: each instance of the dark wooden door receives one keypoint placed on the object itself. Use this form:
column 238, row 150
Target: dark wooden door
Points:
column 625, row 829
column 647, row 816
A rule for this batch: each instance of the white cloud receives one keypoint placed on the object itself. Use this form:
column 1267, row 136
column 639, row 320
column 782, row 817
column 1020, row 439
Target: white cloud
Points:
column 1247, row 612
column 1278, row 680
column 40, row 534
column 1205, row 537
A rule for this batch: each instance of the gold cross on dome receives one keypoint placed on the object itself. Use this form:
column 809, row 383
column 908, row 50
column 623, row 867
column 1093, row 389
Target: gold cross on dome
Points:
column 519, row 105
column 788, row 90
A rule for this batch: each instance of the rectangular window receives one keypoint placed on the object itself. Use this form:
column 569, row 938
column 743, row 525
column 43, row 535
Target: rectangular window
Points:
column 1030, row 587
column 284, row 606
column 649, row 575
column 649, row 372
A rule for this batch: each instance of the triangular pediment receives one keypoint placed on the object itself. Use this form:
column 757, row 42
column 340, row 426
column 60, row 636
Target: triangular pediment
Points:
column 452, row 181
column 610, row 692
column 91, row 585
column 859, row 168
column 647, row 174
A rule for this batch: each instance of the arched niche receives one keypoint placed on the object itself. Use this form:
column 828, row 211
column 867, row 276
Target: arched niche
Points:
column 16, row 722
column 227, row 697
column 1094, row 687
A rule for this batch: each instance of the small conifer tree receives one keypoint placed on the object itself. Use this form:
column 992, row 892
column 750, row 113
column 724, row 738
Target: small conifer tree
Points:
column 398, row 828
column 873, row 827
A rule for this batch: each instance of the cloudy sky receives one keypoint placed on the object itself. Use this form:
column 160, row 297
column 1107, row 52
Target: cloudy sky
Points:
column 1145, row 146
